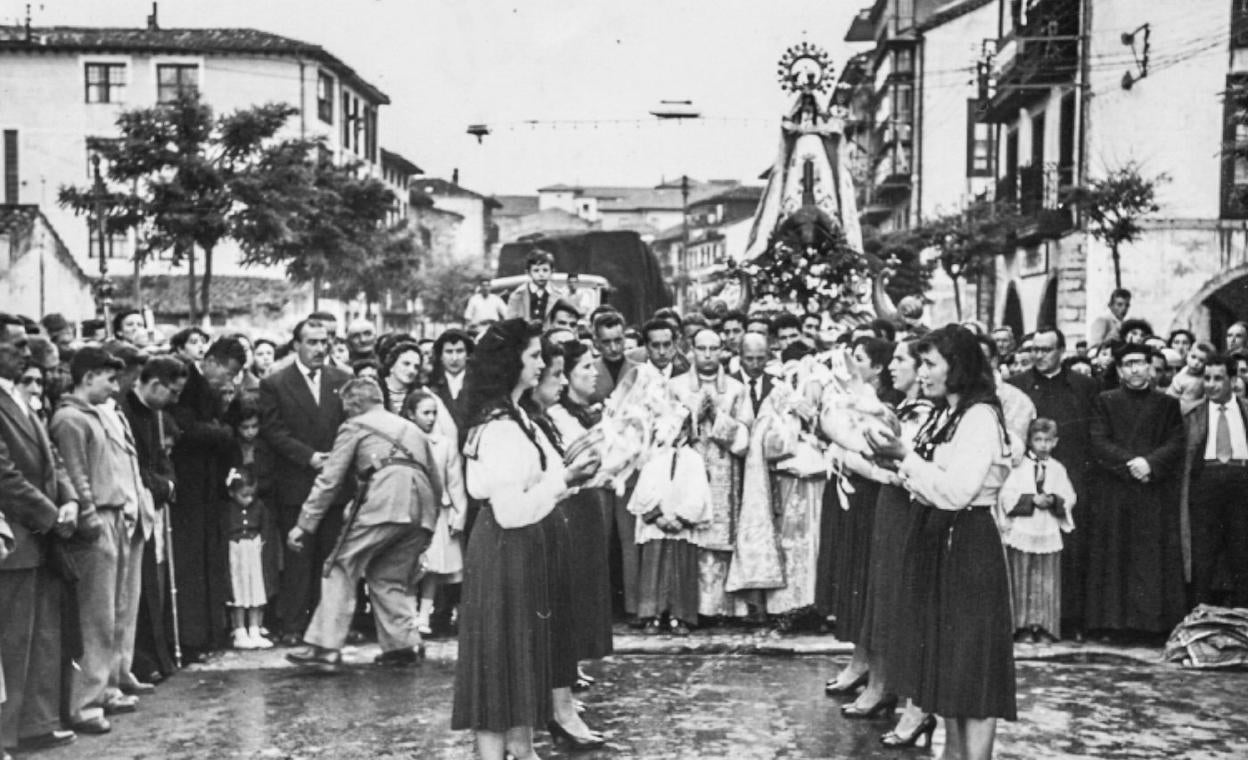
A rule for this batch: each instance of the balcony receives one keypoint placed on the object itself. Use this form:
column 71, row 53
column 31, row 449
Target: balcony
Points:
column 892, row 174
column 1036, row 192
column 894, row 21
column 1042, row 54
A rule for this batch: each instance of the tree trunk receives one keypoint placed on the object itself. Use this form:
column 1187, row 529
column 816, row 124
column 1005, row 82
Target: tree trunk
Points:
column 1117, row 266
column 957, row 296
column 205, row 285
column 191, row 300
column 316, row 293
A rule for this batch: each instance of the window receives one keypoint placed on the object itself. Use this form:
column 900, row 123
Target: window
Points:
column 106, row 82
column 903, row 102
column 174, row 79
column 1066, row 141
column 1234, row 142
column 352, row 123
column 979, row 148
column 1239, row 23
column 325, row 97
column 370, row 133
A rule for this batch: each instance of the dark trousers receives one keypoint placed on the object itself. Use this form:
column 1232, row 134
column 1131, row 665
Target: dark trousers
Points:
column 300, row 586
column 625, row 551
column 1218, row 508
column 153, row 639
column 30, row 653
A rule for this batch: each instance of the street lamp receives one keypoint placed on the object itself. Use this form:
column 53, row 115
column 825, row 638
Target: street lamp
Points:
column 104, row 286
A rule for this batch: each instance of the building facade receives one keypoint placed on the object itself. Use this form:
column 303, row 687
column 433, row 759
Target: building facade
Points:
column 38, row 275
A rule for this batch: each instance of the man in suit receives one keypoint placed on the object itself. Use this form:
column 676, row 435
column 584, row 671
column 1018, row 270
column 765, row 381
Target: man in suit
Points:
column 200, row 462
column 534, row 299
column 753, row 374
column 300, row 412
column 1065, row 397
column 613, row 363
column 160, row 383
column 101, row 460
column 661, row 351
column 39, row 501
column 389, row 528
column 1214, row 508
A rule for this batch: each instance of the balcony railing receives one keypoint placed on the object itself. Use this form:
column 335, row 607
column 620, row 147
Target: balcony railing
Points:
column 1036, row 192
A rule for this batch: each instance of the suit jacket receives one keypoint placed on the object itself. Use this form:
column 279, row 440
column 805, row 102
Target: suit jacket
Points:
column 33, row 483
column 1196, row 422
column 456, row 406
column 768, row 381
column 295, row 427
column 154, row 465
column 396, row 493
column 604, row 384
column 519, row 302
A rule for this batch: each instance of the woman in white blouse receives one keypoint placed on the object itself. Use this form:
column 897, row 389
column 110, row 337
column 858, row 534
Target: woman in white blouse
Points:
column 502, row 679
column 960, row 661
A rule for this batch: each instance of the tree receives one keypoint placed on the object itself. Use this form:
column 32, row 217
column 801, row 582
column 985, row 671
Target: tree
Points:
column 447, row 287
column 968, row 240
column 325, row 224
column 911, row 276
column 1115, row 204
column 182, row 166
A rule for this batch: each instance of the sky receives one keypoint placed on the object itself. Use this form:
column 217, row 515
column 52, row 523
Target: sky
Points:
column 449, row 63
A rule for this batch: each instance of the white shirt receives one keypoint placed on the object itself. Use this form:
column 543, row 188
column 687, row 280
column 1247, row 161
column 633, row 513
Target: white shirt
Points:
column 313, row 386
column 1235, row 421
column 454, row 383
column 10, row 388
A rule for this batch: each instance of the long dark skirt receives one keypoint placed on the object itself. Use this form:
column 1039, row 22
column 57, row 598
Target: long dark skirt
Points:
column 669, row 580
column 591, row 575
column 826, row 579
column 884, row 613
column 853, row 558
column 961, row 661
column 559, row 578
column 503, row 672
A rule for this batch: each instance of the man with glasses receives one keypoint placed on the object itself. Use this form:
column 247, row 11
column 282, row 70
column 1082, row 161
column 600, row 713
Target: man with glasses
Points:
column 1065, row 397
column 1135, row 563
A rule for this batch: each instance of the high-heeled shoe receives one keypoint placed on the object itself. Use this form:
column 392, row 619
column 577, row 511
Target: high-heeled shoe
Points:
column 883, row 707
column 578, row 743
column 925, row 729
column 832, row 690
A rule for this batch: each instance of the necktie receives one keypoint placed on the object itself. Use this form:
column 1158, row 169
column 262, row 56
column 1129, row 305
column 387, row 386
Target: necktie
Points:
column 315, row 386
column 1222, row 442
column 1039, row 476
column 754, row 399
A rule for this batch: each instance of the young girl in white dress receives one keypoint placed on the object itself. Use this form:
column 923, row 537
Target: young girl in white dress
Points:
column 443, row 561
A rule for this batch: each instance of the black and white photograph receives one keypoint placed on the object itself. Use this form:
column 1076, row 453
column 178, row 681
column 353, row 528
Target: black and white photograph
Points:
column 670, row 380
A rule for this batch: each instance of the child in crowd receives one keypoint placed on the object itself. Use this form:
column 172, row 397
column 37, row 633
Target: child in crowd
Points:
column 248, row 596
column 1188, row 385
column 672, row 496
column 1033, row 510
column 443, row 561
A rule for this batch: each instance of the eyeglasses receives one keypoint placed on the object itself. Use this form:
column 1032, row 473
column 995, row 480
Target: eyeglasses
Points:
column 32, row 381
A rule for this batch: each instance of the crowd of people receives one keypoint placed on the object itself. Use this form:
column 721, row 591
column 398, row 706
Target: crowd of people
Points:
column 163, row 501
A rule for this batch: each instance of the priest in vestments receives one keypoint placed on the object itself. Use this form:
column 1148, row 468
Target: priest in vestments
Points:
column 1135, row 562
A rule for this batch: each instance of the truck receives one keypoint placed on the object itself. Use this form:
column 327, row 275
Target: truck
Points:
column 632, row 280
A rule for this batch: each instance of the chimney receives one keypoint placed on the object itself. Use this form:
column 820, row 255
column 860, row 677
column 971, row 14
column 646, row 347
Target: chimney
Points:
column 455, row 177
column 152, row 22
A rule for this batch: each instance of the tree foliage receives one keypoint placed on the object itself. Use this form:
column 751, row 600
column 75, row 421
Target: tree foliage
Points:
column 1115, row 204
column 447, row 286
column 968, row 240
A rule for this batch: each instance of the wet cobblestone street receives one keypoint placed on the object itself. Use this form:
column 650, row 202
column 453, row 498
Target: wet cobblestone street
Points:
column 671, row 706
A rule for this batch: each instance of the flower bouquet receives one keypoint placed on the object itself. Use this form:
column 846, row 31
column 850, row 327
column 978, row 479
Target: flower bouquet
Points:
column 639, row 417
column 850, row 407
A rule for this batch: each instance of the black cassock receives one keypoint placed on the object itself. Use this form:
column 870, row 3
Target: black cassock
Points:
column 1135, row 564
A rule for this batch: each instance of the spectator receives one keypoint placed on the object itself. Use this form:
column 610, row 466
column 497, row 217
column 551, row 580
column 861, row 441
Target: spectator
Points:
column 301, row 412
column 1135, row 330
column 1181, row 340
column 263, row 355
column 533, row 300
column 191, row 344
column 361, row 341
column 1237, row 338
column 1107, row 327
column 59, row 330
column 484, row 308
column 129, row 326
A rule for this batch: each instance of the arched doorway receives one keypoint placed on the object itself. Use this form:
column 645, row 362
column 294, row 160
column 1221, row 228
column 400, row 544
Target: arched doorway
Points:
column 1221, row 301
column 1047, row 317
column 1012, row 314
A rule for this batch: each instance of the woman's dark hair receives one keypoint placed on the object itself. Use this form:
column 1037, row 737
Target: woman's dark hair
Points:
column 880, row 352
column 180, row 338
column 550, row 352
column 392, row 355
column 573, row 351
column 1191, row 337
column 495, row 366
column 261, row 341
column 241, row 410
column 1135, row 324
column 359, row 366
column 449, row 338
column 120, row 317
column 970, row 374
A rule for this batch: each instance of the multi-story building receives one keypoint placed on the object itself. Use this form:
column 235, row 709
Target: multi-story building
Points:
column 64, row 87
column 37, row 273
column 1086, row 88
column 719, row 231
column 397, row 172
column 476, row 232
column 648, row 211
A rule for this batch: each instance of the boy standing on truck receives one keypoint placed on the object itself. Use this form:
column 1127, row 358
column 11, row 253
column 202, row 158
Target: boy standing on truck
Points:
column 533, row 299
